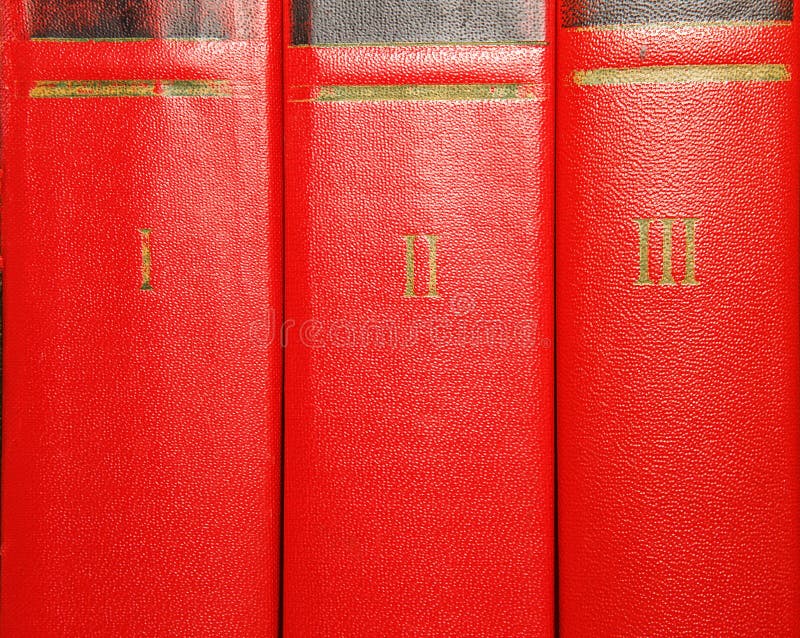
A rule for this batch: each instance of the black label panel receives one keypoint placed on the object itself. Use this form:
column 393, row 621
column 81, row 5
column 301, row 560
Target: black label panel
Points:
column 587, row 13
column 416, row 21
column 139, row 19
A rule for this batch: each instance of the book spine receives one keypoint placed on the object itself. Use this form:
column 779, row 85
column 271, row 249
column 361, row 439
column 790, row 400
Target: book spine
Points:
column 141, row 235
column 419, row 301
column 677, row 293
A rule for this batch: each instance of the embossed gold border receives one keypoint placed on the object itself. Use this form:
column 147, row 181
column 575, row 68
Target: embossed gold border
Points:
column 422, row 92
column 68, row 40
column 643, row 26
column 131, row 88
column 693, row 74
column 401, row 45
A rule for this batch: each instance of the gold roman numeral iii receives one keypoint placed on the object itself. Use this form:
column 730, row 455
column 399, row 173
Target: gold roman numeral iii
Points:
column 147, row 259
column 667, row 228
column 432, row 241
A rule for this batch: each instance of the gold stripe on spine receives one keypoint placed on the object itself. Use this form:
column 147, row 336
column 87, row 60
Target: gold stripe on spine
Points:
column 197, row 88
column 423, row 92
column 720, row 24
column 698, row 74
column 171, row 38
column 431, row 44
column 130, row 88
column 92, row 88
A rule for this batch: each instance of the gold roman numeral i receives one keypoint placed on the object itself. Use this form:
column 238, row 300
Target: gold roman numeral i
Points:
column 667, row 227
column 147, row 259
column 432, row 241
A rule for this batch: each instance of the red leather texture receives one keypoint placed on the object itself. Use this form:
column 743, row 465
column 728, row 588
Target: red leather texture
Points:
column 419, row 429
column 141, row 428
column 678, row 439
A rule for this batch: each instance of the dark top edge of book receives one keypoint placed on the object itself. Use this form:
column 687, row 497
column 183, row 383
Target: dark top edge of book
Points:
column 353, row 22
column 130, row 19
column 604, row 13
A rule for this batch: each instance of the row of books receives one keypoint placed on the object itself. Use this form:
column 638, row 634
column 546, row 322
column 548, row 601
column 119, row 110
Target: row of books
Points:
column 400, row 318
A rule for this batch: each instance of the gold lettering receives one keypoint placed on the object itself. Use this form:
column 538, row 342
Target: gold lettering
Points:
column 689, row 278
column 666, row 255
column 432, row 241
column 644, row 253
column 147, row 259
column 667, row 226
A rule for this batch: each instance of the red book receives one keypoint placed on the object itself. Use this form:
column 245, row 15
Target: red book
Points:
column 678, row 328
column 141, row 240
column 419, row 302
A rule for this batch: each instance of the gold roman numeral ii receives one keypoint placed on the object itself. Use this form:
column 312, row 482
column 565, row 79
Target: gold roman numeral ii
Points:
column 432, row 241
column 667, row 227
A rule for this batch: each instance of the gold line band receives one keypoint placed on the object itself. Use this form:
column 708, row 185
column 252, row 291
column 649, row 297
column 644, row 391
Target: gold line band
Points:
column 351, row 45
column 695, row 74
column 130, row 88
column 423, row 92
column 172, row 38
column 726, row 24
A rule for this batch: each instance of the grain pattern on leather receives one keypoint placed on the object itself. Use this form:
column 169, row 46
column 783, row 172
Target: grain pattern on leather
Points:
column 678, row 396
column 419, row 427
column 140, row 470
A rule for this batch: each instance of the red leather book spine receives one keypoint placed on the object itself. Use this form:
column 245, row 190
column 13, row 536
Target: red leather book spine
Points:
column 419, row 379
column 677, row 294
column 141, row 233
